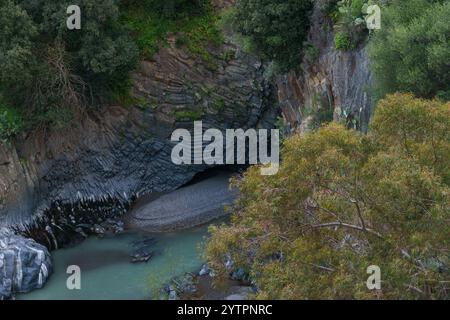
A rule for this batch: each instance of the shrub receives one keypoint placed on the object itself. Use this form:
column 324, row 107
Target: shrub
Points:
column 168, row 9
column 187, row 115
column 194, row 22
column 343, row 42
column 17, row 34
column 420, row 127
column 322, row 116
column 350, row 25
column 311, row 53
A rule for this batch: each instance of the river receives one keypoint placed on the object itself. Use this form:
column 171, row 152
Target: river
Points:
column 108, row 274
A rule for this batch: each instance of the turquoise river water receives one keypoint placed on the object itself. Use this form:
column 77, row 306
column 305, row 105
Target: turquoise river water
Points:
column 108, row 274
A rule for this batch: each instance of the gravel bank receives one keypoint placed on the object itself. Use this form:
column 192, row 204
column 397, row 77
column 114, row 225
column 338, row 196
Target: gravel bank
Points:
column 185, row 208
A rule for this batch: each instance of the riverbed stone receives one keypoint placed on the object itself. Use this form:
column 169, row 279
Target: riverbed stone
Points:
column 185, row 208
column 204, row 270
column 240, row 293
column 24, row 265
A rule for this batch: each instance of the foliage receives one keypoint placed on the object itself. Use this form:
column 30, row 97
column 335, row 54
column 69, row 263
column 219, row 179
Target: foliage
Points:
column 201, row 32
column 320, row 112
column 168, row 8
column 62, row 69
column 328, row 7
column 10, row 123
column 275, row 28
column 411, row 52
column 148, row 28
column 54, row 75
column 322, row 115
column 343, row 42
column 194, row 22
column 219, row 104
column 311, row 53
column 16, row 43
column 343, row 201
column 421, row 127
column 350, row 26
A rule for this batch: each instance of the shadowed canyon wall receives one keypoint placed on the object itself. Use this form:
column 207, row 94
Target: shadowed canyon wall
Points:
column 329, row 78
column 121, row 152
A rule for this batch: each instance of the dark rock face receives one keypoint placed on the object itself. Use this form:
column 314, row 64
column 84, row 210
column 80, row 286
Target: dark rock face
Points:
column 120, row 152
column 24, row 265
column 329, row 78
column 59, row 186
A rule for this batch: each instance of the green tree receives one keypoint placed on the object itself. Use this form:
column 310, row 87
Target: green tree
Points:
column 411, row 52
column 343, row 201
column 420, row 127
column 16, row 43
column 65, row 70
column 275, row 28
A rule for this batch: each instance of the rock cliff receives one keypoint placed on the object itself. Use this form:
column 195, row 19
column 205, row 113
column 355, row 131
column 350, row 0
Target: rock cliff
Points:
column 121, row 152
column 328, row 78
column 24, row 264
column 57, row 185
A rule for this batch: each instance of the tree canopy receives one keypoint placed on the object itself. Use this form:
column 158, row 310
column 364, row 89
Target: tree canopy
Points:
column 46, row 69
column 411, row 52
column 276, row 28
column 343, row 201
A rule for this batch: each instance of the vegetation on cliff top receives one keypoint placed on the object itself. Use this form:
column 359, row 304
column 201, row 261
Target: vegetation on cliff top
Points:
column 343, row 201
column 193, row 22
column 349, row 23
column 411, row 52
column 50, row 76
column 48, row 71
column 276, row 29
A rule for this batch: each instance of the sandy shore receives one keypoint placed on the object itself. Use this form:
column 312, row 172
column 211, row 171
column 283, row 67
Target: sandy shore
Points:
column 185, row 208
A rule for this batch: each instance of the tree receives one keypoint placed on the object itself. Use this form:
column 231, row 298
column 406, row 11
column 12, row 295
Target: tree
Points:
column 168, row 8
column 411, row 52
column 66, row 70
column 275, row 28
column 16, row 42
column 343, row 201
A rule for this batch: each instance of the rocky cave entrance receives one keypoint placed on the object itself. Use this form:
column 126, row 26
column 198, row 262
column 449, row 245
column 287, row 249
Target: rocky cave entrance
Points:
column 67, row 224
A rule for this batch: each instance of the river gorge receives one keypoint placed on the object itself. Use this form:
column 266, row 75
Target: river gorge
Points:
column 84, row 196
column 137, row 261
column 108, row 274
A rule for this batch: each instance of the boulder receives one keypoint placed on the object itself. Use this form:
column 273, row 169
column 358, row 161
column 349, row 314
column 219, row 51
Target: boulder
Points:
column 25, row 265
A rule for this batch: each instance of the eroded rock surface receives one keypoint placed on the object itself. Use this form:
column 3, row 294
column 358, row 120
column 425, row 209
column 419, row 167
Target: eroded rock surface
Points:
column 329, row 78
column 59, row 185
column 122, row 152
column 24, row 265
